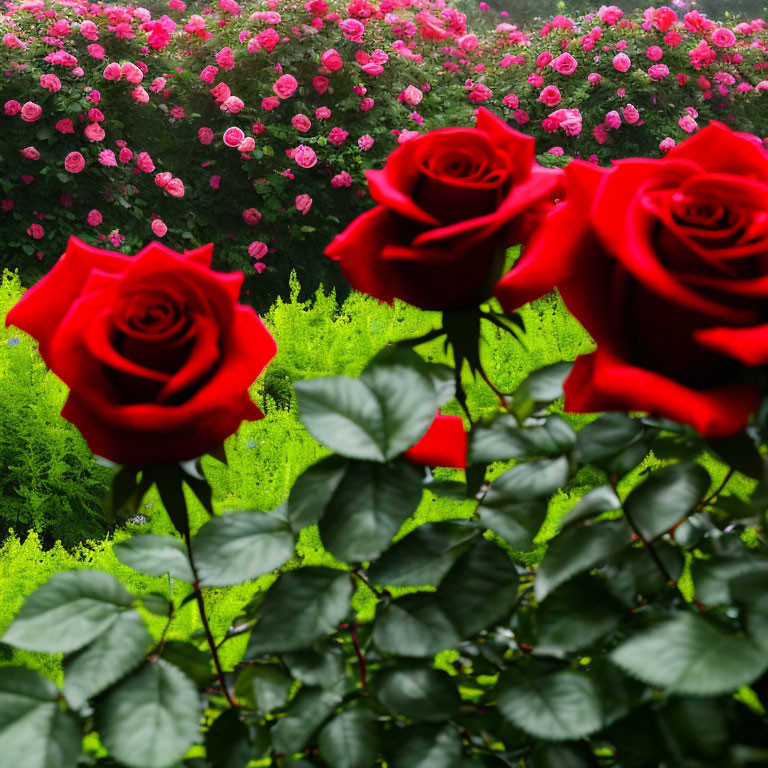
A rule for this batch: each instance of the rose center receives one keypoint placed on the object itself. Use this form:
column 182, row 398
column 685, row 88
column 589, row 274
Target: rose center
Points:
column 702, row 213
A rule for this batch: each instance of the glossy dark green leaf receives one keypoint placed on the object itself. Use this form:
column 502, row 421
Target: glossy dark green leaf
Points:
column 595, row 502
column 689, row 655
column 418, row 692
column 302, row 607
column 414, row 625
column 542, row 387
column 350, row 740
column 227, row 741
column 195, row 663
column 425, row 555
column 561, row 756
column 427, row 746
column 34, row 731
column 741, row 453
column 155, row 555
column 239, row 547
column 150, row 719
column 578, row 549
column 666, row 497
column 480, row 589
column 313, row 490
column 696, row 728
column 605, row 437
column 517, row 522
column 67, row 612
column 265, row 687
column 321, row 666
column 368, row 509
column 503, row 439
column 306, row 713
column 109, row 657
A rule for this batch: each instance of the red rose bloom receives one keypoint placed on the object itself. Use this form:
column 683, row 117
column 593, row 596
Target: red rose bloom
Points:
column 443, row 445
column 665, row 263
column 451, row 202
column 155, row 349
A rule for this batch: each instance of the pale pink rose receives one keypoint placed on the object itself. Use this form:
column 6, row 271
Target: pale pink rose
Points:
column 257, row 250
column 50, row 83
column 342, row 179
column 31, row 112
column 251, row 216
column 162, row 179
column 208, row 75
column 175, row 187
column 337, row 136
column 565, row 64
column 125, row 155
column 411, row 95
column 233, row 136
column 12, row 107
column 247, row 144
column 631, row 115
column 144, row 162
column 270, row 102
column 132, row 73
column 613, row 119
column 107, row 157
column 687, row 123
column 284, row 86
column 468, row 42
column 667, row 144
column 113, row 71
column 406, row 135
column 365, row 142
column 94, row 132
column 322, row 113
column 139, row 95
column 94, row 217
column 305, row 156
column 320, row 84
column 158, row 227
column 332, row 60
column 233, row 105
column 74, row 162
column 622, row 62
column 158, row 84
column 723, row 37
column 550, row 96
column 301, row 123
column 30, row 153
column 303, row 203
column 225, row 58
column 366, row 104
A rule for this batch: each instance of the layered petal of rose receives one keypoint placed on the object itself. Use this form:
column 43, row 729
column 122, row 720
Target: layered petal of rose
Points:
column 444, row 444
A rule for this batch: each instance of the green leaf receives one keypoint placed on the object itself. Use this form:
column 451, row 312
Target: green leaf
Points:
column 322, row 666
column 195, row 663
column 696, row 728
column 425, row 555
column 480, row 589
column 266, row 687
column 227, row 743
column 414, row 625
column 556, row 706
column 156, row 603
column 419, row 693
column 376, row 417
column 427, row 746
column 560, row 756
column 741, row 453
column 578, row 549
column 576, row 615
column 691, row 656
column 368, row 509
column 150, row 719
column 595, row 502
column 605, row 437
column 542, row 387
column 309, row 708
column 756, row 621
column 68, row 611
column 239, row 547
column 350, row 740
column 34, row 731
column 313, row 491
column 666, row 497
column 312, row 602
column 503, row 439
column 155, row 555
column 111, row 656
column 511, row 506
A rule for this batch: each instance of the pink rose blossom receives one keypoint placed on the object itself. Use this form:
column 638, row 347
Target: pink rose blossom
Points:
column 162, row 179
column 622, row 62
column 667, row 144
column 175, row 187
column 144, row 162
column 320, row 84
column 225, row 58
column 550, row 96
column 107, row 157
column 687, row 123
column 565, row 64
column 158, row 227
column 74, row 162
column 30, row 153
column 31, row 112
column 257, row 250
column 285, row 86
column 594, row 78
column 94, row 217
column 337, row 136
column 125, row 155
column 365, row 142
column 305, row 156
column 12, row 107
column 631, row 115
column 723, row 38
column 94, row 132
column 233, row 136
column 270, row 102
column 205, row 135
column 303, row 203
column 331, row 60
column 251, row 216
column 301, row 123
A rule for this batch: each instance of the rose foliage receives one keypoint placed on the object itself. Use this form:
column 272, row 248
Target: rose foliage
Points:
column 638, row 637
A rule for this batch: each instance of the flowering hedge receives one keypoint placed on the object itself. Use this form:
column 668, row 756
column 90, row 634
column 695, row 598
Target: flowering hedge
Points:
column 250, row 126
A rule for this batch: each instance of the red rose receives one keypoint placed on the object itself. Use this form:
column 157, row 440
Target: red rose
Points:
column 665, row 263
column 451, row 202
column 443, row 445
column 156, row 350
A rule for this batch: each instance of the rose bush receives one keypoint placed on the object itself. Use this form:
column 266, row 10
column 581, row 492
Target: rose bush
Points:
column 663, row 261
column 156, row 351
column 450, row 204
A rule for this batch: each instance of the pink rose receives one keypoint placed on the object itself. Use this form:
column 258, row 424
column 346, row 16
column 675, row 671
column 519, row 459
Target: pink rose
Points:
column 158, row 227
column 215, row 181
column 365, row 142
column 544, row 58
column 654, row 53
column 162, row 179
column 320, row 84
column 94, row 132
column 225, row 58
column 30, row 153
column 303, row 204
column 268, row 39
column 132, row 73
column 12, row 107
column 550, row 96
column 257, row 249
column 233, row 105
column 251, row 216
column 50, row 83
column 342, row 179
column 337, row 136
column 208, row 75
column 96, row 51
column 331, row 60
column 139, row 95
column 144, row 162
column 36, row 231
column 367, row 104
column 667, row 144
column 301, row 123
column 723, row 38
column 233, row 136
column 565, row 64
column 511, row 100
column 175, row 187
column 613, row 120
column 270, row 102
column 246, row 145
column 258, row 128
column 284, row 86
column 107, row 157
column 113, row 71
column 622, row 62
column 687, row 123
column 31, row 112
column 125, row 155
column 631, row 115
column 74, row 162
column 594, row 78
column 94, row 218
column 322, row 113
column 658, row 71
column 205, row 135
column 411, row 95
column 305, row 156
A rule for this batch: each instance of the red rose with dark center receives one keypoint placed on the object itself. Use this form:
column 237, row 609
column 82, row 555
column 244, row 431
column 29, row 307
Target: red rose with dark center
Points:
column 155, row 349
column 451, row 202
column 665, row 263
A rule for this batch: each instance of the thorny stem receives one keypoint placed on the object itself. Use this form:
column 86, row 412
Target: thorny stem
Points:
column 158, row 649
column 712, row 496
column 206, row 625
column 361, row 663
